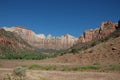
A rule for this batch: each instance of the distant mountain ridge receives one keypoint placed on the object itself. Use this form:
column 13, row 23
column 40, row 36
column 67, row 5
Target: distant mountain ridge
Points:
column 63, row 42
column 41, row 41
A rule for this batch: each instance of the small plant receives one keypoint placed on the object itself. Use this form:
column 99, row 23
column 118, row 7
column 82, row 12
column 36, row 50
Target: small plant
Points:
column 18, row 74
column 93, row 44
column 10, row 77
column 74, row 50
column 19, row 71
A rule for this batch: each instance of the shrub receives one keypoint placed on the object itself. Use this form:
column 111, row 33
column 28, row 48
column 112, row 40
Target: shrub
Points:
column 10, row 77
column 114, row 67
column 93, row 44
column 19, row 71
column 18, row 74
column 74, row 50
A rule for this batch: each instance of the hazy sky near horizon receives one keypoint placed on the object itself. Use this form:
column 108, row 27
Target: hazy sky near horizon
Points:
column 58, row 17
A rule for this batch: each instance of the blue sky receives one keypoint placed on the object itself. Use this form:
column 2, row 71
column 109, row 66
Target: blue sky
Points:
column 58, row 17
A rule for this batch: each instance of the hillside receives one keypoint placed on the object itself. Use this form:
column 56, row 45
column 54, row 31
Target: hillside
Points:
column 105, row 51
column 12, row 43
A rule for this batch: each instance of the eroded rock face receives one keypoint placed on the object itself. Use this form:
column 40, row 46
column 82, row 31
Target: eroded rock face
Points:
column 13, row 44
column 63, row 42
column 41, row 41
column 10, row 42
column 104, row 30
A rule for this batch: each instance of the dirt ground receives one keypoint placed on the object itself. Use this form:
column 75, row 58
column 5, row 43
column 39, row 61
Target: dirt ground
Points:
column 64, row 75
column 6, row 67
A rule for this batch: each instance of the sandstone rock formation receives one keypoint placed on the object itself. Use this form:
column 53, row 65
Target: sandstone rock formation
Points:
column 104, row 30
column 41, row 41
column 64, row 42
column 10, row 42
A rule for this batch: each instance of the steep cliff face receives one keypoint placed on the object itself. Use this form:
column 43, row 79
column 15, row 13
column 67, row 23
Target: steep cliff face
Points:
column 10, row 42
column 104, row 30
column 41, row 41
column 63, row 42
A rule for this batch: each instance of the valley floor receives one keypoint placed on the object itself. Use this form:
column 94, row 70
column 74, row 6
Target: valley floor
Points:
column 63, row 75
column 6, row 67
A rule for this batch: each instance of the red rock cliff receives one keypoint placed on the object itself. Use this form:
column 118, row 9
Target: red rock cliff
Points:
column 104, row 30
column 40, row 41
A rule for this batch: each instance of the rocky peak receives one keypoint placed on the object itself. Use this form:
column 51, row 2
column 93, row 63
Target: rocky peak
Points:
column 68, row 36
column 104, row 30
column 42, row 36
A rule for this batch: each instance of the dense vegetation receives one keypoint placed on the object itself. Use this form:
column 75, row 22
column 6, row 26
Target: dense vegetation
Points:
column 26, row 56
column 65, row 67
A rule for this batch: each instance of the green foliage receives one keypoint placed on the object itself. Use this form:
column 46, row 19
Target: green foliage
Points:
column 74, row 50
column 65, row 68
column 79, row 47
column 26, row 56
column 62, row 52
column 114, row 67
column 35, row 66
column 77, row 68
column 19, row 71
column 93, row 44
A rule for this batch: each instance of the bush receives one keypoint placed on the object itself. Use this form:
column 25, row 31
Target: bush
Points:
column 19, row 71
column 10, row 77
column 74, row 50
column 114, row 67
column 18, row 74
column 93, row 44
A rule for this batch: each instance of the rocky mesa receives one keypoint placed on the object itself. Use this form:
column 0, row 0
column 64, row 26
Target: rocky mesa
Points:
column 41, row 41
